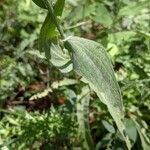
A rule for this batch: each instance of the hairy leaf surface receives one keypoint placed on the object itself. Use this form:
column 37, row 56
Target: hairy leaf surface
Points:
column 90, row 60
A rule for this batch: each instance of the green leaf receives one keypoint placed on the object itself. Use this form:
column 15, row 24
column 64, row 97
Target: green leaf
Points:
column 90, row 60
column 58, row 8
column 58, row 4
column 40, row 3
column 108, row 126
column 60, row 58
column 145, row 143
column 133, row 8
column 119, row 37
column 102, row 15
column 144, row 34
column 82, row 116
column 48, row 33
column 104, row 141
column 131, row 129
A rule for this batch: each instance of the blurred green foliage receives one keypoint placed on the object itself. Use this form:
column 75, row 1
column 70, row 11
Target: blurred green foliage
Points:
column 123, row 29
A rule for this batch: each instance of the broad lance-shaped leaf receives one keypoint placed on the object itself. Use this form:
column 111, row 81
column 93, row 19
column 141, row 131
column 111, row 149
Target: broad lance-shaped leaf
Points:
column 90, row 60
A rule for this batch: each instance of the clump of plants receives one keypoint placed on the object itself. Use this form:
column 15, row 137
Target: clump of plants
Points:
column 66, row 86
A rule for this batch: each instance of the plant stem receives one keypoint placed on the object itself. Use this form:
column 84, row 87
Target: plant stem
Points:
column 51, row 11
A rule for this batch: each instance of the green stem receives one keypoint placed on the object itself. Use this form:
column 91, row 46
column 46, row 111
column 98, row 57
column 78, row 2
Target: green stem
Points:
column 51, row 11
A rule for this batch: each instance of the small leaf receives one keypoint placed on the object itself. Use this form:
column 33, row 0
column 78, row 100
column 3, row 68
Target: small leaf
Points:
column 102, row 15
column 113, row 49
column 108, row 126
column 144, row 34
column 133, row 8
column 131, row 129
column 119, row 37
column 90, row 60
column 58, row 8
column 60, row 58
column 104, row 141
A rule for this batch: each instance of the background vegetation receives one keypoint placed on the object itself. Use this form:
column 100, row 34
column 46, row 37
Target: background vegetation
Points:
column 39, row 103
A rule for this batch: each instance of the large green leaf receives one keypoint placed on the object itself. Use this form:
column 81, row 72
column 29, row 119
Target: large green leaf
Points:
column 90, row 60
